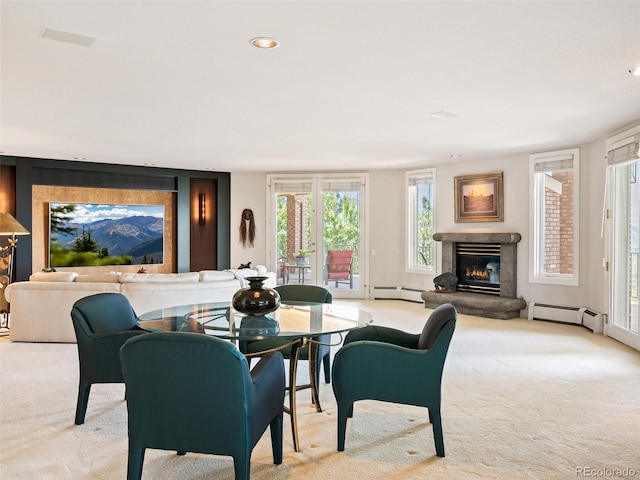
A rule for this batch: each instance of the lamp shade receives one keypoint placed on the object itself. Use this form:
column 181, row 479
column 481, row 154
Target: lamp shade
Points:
column 10, row 226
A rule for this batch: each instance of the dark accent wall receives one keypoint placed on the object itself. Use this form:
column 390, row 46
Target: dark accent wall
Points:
column 8, row 189
column 38, row 171
column 203, row 237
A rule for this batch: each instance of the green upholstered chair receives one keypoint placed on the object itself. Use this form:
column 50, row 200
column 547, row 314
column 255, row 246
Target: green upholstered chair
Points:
column 102, row 322
column 381, row 363
column 299, row 293
column 191, row 392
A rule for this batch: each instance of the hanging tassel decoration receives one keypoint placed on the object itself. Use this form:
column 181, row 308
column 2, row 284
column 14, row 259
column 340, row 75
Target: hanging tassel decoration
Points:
column 247, row 228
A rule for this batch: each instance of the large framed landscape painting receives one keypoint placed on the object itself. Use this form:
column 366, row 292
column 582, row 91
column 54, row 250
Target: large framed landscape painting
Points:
column 479, row 198
column 91, row 234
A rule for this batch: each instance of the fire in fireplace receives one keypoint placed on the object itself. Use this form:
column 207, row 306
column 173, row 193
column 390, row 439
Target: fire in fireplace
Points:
column 478, row 267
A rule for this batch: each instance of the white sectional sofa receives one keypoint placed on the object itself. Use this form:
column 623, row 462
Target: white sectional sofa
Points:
column 41, row 307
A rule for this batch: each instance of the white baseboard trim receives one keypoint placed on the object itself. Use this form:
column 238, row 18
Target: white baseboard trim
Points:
column 397, row 293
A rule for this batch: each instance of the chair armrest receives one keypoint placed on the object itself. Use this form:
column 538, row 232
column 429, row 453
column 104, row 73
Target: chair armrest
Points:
column 268, row 370
column 111, row 342
column 267, row 363
column 125, row 334
column 266, row 398
column 383, row 334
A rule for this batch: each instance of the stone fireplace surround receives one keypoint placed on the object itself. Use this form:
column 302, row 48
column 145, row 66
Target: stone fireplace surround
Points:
column 502, row 307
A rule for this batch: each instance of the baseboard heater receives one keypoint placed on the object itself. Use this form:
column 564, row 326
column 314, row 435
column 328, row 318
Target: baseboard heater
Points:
column 567, row 314
column 396, row 293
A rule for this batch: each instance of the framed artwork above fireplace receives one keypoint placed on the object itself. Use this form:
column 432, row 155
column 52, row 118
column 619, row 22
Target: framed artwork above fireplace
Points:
column 479, row 198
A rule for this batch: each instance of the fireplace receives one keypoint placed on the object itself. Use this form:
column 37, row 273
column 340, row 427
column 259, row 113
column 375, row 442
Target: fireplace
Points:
column 486, row 267
column 478, row 267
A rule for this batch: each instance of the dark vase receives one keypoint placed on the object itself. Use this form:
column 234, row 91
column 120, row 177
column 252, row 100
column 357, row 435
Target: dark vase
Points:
column 256, row 299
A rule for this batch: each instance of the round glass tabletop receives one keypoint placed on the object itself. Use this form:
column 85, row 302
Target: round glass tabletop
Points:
column 291, row 320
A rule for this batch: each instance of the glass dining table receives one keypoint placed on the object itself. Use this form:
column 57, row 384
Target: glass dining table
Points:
column 301, row 323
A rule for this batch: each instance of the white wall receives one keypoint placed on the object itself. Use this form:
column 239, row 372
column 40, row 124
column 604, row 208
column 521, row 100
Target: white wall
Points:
column 248, row 190
column 387, row 223
column 591, row 288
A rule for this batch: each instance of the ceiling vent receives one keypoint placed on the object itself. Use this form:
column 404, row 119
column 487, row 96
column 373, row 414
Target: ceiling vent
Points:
column 67, row 37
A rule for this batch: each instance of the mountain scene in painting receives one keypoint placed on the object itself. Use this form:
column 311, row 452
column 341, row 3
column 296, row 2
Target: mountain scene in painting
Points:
column 92, row 234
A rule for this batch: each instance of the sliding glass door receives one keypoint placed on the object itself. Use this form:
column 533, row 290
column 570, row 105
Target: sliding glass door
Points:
column 317, row 231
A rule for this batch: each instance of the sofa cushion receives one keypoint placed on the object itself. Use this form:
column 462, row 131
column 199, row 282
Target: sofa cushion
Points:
column 53, row 277
column 215, row 275
column 189, row 277
column 109, row 277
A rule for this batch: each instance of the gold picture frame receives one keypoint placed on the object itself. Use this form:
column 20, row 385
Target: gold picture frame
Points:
column 479, row 198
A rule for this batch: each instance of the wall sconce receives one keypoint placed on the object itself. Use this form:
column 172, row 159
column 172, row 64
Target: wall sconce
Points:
column 202, row 209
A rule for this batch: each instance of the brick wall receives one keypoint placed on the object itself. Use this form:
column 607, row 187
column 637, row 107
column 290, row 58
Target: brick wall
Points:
column 296, row 231
column 558, row 238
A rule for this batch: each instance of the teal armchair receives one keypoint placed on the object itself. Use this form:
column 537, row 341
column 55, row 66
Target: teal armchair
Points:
column 103, row 323
column 191, row 392
column 299, row 293
column 381, row 363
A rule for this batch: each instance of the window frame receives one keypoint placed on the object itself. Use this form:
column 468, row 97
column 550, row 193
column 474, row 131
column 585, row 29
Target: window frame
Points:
column 537, row 274
column 411, row 247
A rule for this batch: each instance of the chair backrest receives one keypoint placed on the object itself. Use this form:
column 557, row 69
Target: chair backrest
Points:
column 304, row 293
column 436, row 323
column 339, row 261
column 180, row 386
column 105, row 312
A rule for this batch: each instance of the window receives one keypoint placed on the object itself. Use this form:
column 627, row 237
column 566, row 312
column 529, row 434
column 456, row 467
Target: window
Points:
column 420, row 185
column 555, row 186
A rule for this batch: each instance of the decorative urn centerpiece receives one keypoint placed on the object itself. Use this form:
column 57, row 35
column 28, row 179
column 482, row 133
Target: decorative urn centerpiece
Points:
column 256, row 299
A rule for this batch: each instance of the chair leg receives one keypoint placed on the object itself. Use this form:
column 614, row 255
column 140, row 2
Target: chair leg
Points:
column 314, row 372
column 135, row 461
column 436, row 422
column 343, row 413
column 276, row 439
column 83, row 398
column 326, row 361
column 242, row 467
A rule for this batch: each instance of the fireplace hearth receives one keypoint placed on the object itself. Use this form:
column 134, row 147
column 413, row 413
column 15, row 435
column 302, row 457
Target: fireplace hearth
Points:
column 486, row 267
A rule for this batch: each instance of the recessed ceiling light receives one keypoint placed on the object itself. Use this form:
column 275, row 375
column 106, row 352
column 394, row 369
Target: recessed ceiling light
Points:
column 149, row 164
column 443, row 114
column 455, row 155
column 264, row 42
column 210, row 169
column 635, row 71
column 79, row 158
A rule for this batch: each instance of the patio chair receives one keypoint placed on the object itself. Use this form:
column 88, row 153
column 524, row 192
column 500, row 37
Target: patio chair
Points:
column 339, row 267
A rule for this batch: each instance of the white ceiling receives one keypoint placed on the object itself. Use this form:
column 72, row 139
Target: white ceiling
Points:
column 350, row 87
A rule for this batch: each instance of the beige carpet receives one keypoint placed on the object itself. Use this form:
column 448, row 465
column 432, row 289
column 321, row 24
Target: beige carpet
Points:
column 521, row 400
